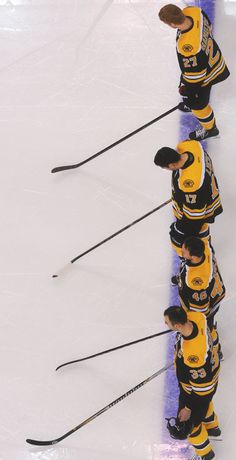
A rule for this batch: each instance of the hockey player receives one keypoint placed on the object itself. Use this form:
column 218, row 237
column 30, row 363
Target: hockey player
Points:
column 195, row 195
column 201, row 63
column 201, row 287
column 197, row 370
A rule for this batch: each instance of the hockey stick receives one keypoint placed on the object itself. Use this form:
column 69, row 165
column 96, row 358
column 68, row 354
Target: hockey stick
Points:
column 113, row 349
column 101, row 411
column 64, row 168
column 111, row 236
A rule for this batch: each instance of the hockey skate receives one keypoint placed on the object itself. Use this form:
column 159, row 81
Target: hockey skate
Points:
column 209, row 456
column 201, row 134
column 214, row 434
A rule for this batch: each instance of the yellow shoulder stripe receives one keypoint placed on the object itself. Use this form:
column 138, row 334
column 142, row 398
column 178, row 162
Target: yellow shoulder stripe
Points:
column 191, row 179
column 198, row 277
column 189, row 43
column 195, row 350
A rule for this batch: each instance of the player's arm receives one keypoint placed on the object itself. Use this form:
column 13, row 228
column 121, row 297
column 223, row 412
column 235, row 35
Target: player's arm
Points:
column 207, row 17
column 194, row 205
column 217, row 288
column 196, row 297
column 213, row 200
column 177, row 198
column 202, row 379
column 189, row 202
column 194, row 70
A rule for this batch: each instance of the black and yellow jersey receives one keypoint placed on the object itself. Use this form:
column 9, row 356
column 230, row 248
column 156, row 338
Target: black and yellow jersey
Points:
column 201, row 286
column 197, row 362
column 200, row 58
column 195, row 193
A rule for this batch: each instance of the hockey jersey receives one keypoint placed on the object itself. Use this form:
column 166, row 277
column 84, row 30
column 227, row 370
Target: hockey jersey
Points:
column 200, row 58
column 195, row 193
column 201, row 286
column 197, row 362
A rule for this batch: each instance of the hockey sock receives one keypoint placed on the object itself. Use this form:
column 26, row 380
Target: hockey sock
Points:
column 205, row 117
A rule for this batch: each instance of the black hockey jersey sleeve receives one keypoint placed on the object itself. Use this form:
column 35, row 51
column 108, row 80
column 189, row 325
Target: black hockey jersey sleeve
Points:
column 195, row 299
column 202, row 204
column 197, row 374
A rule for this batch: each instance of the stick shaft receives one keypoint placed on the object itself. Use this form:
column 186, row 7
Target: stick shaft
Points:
column 114, row 349
column 101, row 411
column 77, row 165
column 120, row 231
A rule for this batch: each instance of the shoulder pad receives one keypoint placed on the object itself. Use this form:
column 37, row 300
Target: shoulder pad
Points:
column 189, row 43
column 199, row 277
column 191, row 178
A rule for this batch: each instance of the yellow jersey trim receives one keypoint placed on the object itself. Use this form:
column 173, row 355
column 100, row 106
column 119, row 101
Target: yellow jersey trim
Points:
column 198, row 277
column 189, row 43
column 191, row 178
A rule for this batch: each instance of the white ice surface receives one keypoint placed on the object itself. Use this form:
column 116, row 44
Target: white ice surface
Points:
column 75, row 76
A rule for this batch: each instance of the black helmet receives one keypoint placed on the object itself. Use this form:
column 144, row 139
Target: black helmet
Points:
column 178, row 429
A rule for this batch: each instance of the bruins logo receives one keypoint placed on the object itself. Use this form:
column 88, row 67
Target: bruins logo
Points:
column 188, row 48
column 193, row 359
column 188, row 183
column 197, row 281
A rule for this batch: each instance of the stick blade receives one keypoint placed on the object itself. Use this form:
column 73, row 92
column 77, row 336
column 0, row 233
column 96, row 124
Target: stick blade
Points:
column 69, row 362
column 64, row 168
column 34, row 442
column 62, row 271
column 58, row 169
